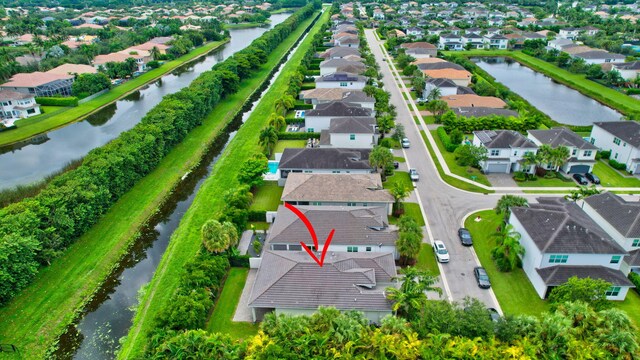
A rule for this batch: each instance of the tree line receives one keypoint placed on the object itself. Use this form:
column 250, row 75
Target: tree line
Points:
column 36, row 230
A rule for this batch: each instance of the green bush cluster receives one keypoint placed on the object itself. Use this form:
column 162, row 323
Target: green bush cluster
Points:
column 635, row 279
column 257, row 215
column 617, row 165
column 38, row 229
column 298, row 135
column 446, row 140
column 605, row 154
column 466, row 125
column 57, row 101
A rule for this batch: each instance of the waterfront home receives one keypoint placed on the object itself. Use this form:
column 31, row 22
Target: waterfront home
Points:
column 40, row 84
column 471, row 40
column 628, row 71
column 350, row 133
column 73, row 69
column 597, row 56
column 141, row 59
column 337, row 190
column 319, row 118
column 495, row 41
column 482, row 111
column 622, row 138
column 322, row 96
column 473, row 100
column 561, row 241
column 450, row 42
column 323, row 160
column 341, row 80
column 16, row 105
column 582, row 153
column 505, row 151
column 291, row 282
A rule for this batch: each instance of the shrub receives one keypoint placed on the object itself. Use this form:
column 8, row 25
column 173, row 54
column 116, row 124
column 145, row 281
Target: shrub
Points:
column 257, row 246
column 604, row 154
column 298, row 135
column 388, row 142
column 57, row 101
column 635, row 279
column 257, row 215
column 446, row 140
column 303, row 106
column 519, row 176
column 633, row 91
column 153, row 64
column 239, row 260
column 616, row 165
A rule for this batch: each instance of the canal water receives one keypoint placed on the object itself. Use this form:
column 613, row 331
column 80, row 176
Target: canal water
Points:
column 561, row 103
column 32, row 160
column 109, row 315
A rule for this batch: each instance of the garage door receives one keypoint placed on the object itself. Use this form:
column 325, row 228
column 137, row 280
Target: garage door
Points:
column 637, row 169
column 579, row 169
column 497, row 168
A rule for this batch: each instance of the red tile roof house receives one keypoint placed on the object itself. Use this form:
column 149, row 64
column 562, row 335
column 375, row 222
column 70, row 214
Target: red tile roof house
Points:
column 40, row 84
column 141, row 59
column 16, row 105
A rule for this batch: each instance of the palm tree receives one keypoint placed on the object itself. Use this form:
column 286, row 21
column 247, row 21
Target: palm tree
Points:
column 284, row 103
column 218, row 237
column 277, row 121
column 506, row 202
column 435, row 94
column 381, row 158
column 437, row 108
column 530, row 159
column 399, row 193
column 559, row 156
column 268, row 139
column 410, row 296
column 508, row 250
column 155, row 53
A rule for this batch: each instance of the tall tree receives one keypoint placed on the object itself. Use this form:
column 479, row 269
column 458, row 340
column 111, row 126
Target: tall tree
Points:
column 411, row 295
column 399, row 193
column 277, row 121
column 506, row 202
column 590, row 291
column 409, row 238
column 218, row 237
column 508, row 249
column 268, row 139
column 381, row 158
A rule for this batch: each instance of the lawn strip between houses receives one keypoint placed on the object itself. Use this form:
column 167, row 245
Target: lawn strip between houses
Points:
column 185, row 241
column 30, row 127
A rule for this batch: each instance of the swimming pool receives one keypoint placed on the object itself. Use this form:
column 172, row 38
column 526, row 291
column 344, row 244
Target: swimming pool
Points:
column 273, row 167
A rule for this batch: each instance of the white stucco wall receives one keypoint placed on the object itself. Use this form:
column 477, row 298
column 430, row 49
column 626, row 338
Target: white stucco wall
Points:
column 357, row 85
column 624, row 151
column 360, row 141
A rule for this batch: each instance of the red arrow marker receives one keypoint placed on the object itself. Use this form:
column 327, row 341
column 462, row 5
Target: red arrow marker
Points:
column 314, row 237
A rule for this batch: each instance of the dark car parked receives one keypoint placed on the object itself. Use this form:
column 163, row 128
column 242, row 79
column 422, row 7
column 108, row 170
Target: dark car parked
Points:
column 481, row 277
column 593, row 178
column 581, row 179
column 494, row 314
column 465, row 237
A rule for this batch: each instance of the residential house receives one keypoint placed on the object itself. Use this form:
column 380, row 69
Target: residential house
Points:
column 450, row 42
column 459, row 77
column 622, row 138
column 446, row 86
column 482, row 111
column 319, row 118
column 357, row 97
column 16, row 105
column 621, row 220
column 40, row 84
column 323, row 160
column 357, row 229
column 569, row 33
column 420, row 49
column 599, row 57
column 341, row 80
column 337, row 190
column 102, row 60
column 415, row 31
column 291, row 282
column 558, row 44
column 73, row 69
column 505, row 150
column 349, row 41
column 561, row 241
column 628, row 71
column 332, row 66
column 358, row 133
column 582, row 153
column 473, row 100
column 323, row 96
column 495, row 41
column 471, row 40
column 339, row 53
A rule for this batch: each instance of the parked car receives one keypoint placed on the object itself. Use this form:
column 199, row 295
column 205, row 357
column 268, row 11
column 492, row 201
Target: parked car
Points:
column 581, row 179
column 406, row 143
column 413, row 174
column 465, row 237
column 396, row 164
column 493, row 314
column 592, row 177
column 442, row 255
column 481, row 277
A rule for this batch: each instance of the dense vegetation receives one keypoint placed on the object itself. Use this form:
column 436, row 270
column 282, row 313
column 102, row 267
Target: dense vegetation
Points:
column 35, row 231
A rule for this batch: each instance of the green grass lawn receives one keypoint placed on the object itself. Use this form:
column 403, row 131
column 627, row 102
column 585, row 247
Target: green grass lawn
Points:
column 221, row 320
column 43, row 123
column 464, row 171
column 258, row 225
column 430, row 119
column 514, row 291
column 401, row 177
column 553, row 182
column 399, row 159
column 185, row 241
column 412, row 210
column 267, row 196
column 283, row 144
column 613, row 178
column 427, row 260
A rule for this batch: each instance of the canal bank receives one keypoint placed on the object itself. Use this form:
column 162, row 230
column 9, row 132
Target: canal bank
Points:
column 36, row 317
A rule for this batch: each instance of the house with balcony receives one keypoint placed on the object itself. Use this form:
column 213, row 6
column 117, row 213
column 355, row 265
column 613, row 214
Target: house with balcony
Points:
column 471, row 40
column 450, row 42
column 323, row 160
column 16, row 105
column 505, row 151
column 582, row 154
column 40, row 84
column 561, row 241
column 569, row 33
column 622, row 138
column 495, row 41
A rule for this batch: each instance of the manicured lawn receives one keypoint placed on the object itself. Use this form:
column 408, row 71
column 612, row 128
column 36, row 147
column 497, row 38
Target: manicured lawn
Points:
column 221, row 320
column 258, row 225
column 429, row 119
column 267, row 196
column 399, row 159
column 39, row 124
column 401, row 177
column 553, row 182
column 412, row 210
column 613, row 178
column 449, row 179
column 185, row 241
column 283, row 144
column 427, row 260
column 631, row 305
column 514, row 291
column 464, row 171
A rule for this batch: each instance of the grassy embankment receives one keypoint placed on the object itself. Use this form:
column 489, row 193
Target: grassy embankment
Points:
column 51, row 120
column 185, row 241
column 607, row 96
column 36, row 318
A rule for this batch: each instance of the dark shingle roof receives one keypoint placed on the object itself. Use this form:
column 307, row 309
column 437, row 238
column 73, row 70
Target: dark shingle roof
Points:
column 559, row 226
column 336, row 188
column 348, row 281
column 633, row 259
column 340, row 62
column 341, row 76
column 324, row 158
column 351, row 125
column 599, row 54
column 634, row 65
column 629, row 131
column 357, row 96
column 561, row 137
column 560, row 274
column 623, row 215
column 339, row 109
column 481, row 111
column 440, row 65
column 504, row 139
column 441, row 82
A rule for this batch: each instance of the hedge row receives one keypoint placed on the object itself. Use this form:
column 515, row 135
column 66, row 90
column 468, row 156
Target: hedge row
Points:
column 57, row 101
column 617, row 165
column 36, row 230
column 467, row 125
column 446, row 140
column 257, row 215
column 635, row 279
column 298, row 135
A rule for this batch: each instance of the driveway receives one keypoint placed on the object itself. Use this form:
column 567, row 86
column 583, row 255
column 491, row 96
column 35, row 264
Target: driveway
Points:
column 501, row 180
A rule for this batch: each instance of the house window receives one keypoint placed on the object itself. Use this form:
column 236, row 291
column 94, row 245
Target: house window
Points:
column 310, row 130
column 316, row 203
column 587, row 153
column 635, row 243
column 368, row 248
column 515, row 153
column 352, row 136
column 279, row 247
column 308, row 171
column 343, row 84
column 613, row 291
column 351, row 204
column 293, row 247
column 615, row 157
column 593, row 140
column 364, row 204
column 495, row 152
column 558, row 259
column 574, row 152
column 336, row 171
column 616, row 141
column 615, row 259
column 352, row 249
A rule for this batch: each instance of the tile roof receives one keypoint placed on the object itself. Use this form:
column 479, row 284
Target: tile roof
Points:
column 66, row 69
column 13, row 95
column 504, row 139
column 419, row 44
column 353, row 226
column 341, row 62
column 448, row 74
column 623, row 215
column 600, row 54
column 472, row 100
column 324, row 94
column 628, row 131
column 633, row 259
column 347, row 281
column 339, row 109
column 561, row 137
column 357, row 96
column 325, row 158
column 439, row 65
column 560, row 274
column 559, row 226
column 34, row 79
column 336, row 188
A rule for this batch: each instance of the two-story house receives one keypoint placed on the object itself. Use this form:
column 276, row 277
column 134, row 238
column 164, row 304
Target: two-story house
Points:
column 628, row 71
column 324, row 160
column 40, row 84
column 450, row 42
column 582, row 154
column 569, row 33
column 622, row 138
column 414, row 31
column 319, row 118
column 621, row 220
column 495, row 41
column 339, row 53
column 16, row 105
column 505, row 149
column 348, row 41
column 350, row 133
column 332, row 66
column 341, row 80
column 471, row 40
column 561, row 241
column 420, row 49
